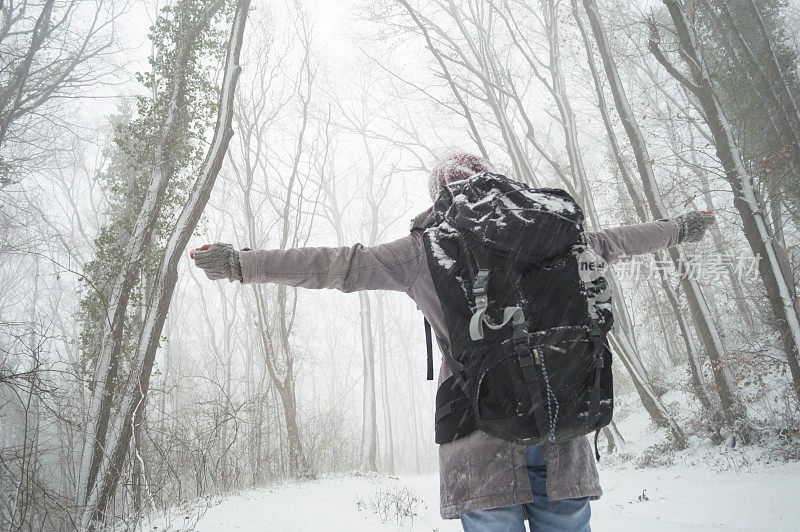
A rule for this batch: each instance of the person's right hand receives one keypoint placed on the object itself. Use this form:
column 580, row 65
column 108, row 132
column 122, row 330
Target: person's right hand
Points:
column 692, row 225
column 218, row 261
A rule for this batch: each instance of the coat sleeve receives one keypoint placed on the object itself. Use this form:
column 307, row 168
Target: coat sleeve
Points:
column 391, row 266
column 617, row 242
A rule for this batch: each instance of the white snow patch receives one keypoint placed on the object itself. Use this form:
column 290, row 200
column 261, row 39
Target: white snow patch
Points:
column 678, row 498
column 461, row 198
column 553, row 203
column 439, row 254
column 325, row 504
column 690, row 498
column 705, row 487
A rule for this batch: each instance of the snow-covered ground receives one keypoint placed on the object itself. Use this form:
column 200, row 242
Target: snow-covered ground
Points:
column 676, row 498
column 704, row 487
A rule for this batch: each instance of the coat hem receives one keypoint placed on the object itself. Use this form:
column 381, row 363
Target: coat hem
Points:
column 487, row 502
column 593, row 491
column 500, row 500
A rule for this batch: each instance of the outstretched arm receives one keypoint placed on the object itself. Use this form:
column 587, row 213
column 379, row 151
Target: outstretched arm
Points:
column 390, row 266
column 627, row 240
column 613, row 243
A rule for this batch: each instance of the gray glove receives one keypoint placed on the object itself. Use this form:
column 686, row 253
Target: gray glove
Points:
column 692, row 225
column 218, row 261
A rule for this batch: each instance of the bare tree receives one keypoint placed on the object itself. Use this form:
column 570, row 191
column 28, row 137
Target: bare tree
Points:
column 108, row 437
column 289, row 198
column 50, row 53
column 639, row 207
column 746, row 198
column 704, row 322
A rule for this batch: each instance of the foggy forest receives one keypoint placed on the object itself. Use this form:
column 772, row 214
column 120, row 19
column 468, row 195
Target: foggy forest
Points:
column 138, row 394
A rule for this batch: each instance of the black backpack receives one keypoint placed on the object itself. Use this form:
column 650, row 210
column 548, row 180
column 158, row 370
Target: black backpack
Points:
column 528, row 347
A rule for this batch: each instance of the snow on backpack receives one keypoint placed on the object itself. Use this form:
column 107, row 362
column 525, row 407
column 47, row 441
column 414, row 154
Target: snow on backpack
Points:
column 528, row 347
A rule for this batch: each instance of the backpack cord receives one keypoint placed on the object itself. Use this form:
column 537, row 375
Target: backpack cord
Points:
column 551, row 398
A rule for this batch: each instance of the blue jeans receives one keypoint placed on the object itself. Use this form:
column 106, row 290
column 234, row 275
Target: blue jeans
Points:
column 544, row 515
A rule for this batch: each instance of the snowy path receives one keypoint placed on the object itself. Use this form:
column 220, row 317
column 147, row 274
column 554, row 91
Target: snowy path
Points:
column 684, row 499
column 679, row 498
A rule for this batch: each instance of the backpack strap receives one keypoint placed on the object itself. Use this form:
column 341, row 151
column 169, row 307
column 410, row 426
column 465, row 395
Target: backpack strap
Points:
column 594, row 399
column 448, row 358
column 456, row 405
column 429, row 347
column 597, row 346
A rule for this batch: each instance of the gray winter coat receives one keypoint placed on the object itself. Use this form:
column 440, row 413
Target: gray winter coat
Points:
column 479, row 471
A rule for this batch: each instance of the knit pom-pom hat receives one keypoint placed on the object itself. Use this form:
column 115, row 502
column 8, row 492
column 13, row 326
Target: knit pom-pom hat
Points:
column 455, row 167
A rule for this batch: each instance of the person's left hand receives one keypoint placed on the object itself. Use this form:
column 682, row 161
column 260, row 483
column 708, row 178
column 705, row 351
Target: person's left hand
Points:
column 218, row 261
column 692, row 225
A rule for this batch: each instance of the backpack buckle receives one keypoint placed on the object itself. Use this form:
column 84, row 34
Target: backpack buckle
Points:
column 481, row 282
column 520, row 335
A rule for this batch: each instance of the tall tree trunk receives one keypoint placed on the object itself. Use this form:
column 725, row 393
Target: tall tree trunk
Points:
column 275, row 326
column 97, row 490
column 118, row 296
column 736, row 284
column 578, row 186
column 777, row 77
column 766, row 95
column 414, row 418
column 385, row 387
column 706, row 326
column 741, row 181
column 369, row 434
column 640, row 206
column 298, row 465
column 276, row 348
